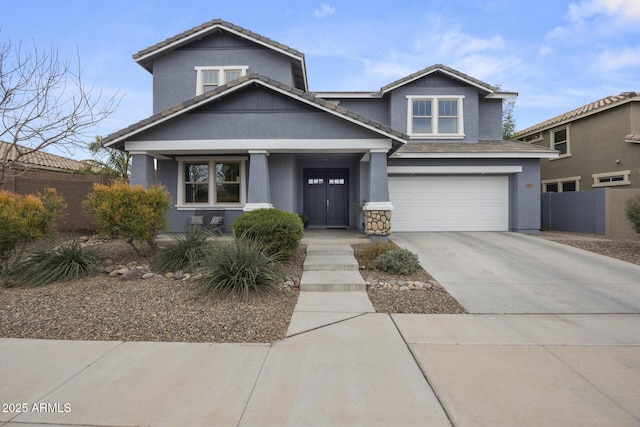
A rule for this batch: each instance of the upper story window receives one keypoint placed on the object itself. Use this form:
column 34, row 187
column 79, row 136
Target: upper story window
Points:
column 560, row 141
column 611, row 179
column 209, row 78
column 435, row 117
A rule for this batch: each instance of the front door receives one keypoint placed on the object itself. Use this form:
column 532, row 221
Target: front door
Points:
column 326, row 197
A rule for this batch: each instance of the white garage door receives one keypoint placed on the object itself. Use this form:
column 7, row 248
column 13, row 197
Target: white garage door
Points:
column 449, row 203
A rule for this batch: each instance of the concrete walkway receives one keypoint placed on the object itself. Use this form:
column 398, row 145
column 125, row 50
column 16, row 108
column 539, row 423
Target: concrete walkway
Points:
column 341, row 365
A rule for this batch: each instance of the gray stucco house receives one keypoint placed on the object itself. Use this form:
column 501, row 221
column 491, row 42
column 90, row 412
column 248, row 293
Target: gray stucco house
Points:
column 235, row 128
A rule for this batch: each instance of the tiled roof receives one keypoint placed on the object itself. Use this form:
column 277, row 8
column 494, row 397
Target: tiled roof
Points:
column 486, row 146
column 433, row 68
column 119, row 136
column 210, row 26
column 39, row 159
column 585, row 110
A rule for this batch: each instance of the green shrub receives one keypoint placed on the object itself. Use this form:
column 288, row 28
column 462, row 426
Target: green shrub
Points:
column 69, row 261
column 239, row 267
column 23, row 219
column 278, row 230
column 366, row 253
column 398, row 261
column 185, row 252
column 131, row 212
column 54, row 206
column 632, row 211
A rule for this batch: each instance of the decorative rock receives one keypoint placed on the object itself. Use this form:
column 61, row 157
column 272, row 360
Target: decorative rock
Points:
column 83, row 238
column 178, row 275
column 148, row 275
column 108, row 262
column 404, row 288
column 114, row 273
column 168, row 275
column 123, row 271
column 108, row 269
column 134, row 274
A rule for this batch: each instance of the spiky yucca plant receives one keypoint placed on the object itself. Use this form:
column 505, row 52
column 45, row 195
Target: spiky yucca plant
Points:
column 185, row 252
column 68, row 261
column 239, row 267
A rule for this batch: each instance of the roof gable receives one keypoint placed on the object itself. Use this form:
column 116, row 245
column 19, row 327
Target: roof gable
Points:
column 584, row 111
column 439, row 68
column 117, row 139
column 196, row 34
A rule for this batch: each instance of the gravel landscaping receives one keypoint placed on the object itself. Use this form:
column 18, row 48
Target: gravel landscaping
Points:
column 622, row 249
column 171, row 309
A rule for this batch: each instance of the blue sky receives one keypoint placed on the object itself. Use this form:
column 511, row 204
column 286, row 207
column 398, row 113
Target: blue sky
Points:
column 558, row 54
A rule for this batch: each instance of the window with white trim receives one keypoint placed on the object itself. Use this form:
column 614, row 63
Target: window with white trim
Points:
column 209, row 78
column 435, row 117
column 215, row 182
column 560, row 141
column 611, row 179
column 561, row 185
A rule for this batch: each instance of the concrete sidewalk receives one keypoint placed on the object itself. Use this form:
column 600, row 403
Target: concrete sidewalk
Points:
column 341, row 365
column 373, row 370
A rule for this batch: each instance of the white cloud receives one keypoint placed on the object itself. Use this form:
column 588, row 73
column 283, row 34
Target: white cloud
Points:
column 464, row 44
column 324, row 11
column 623, row 9
column 612, row 60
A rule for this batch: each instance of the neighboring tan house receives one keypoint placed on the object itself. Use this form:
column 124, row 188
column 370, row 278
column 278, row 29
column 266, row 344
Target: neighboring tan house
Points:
column 586, row 188
column 235, row 128
column 599, row 145
column 35, row 171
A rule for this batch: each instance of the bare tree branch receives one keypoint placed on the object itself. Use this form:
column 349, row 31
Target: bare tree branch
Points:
column 44, row 102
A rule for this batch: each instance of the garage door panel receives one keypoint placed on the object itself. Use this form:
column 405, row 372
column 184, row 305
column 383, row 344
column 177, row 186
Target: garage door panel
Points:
column 449, row 203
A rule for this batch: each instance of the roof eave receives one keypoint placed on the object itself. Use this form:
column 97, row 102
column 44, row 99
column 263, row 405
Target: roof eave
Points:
column 118, row 141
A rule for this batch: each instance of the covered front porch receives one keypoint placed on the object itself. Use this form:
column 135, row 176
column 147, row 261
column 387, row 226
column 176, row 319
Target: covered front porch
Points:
column 330, row 189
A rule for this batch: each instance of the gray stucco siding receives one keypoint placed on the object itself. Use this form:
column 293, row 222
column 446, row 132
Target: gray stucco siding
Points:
column 376, row 109
column 282, row 177
column 174, row 76
column 490, row 119
column 437, row 85
column 256, row 125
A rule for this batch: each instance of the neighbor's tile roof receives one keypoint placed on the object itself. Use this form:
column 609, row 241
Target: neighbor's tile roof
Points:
column 215, row 23
column 486, row 146
column 38, row 159
column 594, row 107
column 230, row 87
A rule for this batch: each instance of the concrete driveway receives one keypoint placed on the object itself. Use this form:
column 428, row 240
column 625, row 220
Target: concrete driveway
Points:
column 492, row 272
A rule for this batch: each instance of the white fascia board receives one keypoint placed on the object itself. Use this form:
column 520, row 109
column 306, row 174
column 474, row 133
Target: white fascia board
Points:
column 455, row 76
column 474, row 155
column 346, row 94
column 502, row 95
column 447, row 170
column 270, row 145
